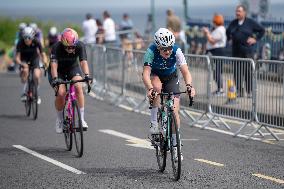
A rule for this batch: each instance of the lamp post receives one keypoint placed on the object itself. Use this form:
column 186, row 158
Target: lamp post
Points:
column 153, row 16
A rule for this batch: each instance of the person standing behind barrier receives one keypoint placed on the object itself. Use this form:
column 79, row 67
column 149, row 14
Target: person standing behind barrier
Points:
column 100, row 32
column 244, row 33
column 109, row 27
column 90, row 29
column 126, row 24
column 174, row 24
column 216, row 42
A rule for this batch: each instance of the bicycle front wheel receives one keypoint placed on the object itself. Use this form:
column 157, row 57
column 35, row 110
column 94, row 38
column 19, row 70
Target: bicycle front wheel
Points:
column 67, row 128
column 78, row 129
column 161, row 148
column 175, row 150
column 34, row 98
column 28, row 101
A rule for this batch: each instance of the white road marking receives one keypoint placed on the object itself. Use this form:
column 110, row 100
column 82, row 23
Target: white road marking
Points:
column 269, row 178
column 62, row 165
column 210, row 162
column 136, row 142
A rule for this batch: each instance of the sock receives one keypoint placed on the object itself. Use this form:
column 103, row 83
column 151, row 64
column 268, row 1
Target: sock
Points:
column 82, row 113
column 24, row 88
column 60, row 115
column 154, row 112
column 174, row 139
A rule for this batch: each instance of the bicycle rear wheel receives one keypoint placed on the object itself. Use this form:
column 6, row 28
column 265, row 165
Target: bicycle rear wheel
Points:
column 34, row 100
column 175, row 153
column 78, row 129
column 161, row 149
column 67, row 128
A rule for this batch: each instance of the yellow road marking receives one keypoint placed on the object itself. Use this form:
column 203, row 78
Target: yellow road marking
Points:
column 268, row 141
column 210, row 162
column 269, row 178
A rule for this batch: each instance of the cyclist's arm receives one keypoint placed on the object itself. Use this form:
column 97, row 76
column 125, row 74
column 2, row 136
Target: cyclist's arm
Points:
column 54, row 66
column 85, row 67
column 18, row 58
column 181, row 62
column 146, row 77
column 83, row 59
column 148, row 59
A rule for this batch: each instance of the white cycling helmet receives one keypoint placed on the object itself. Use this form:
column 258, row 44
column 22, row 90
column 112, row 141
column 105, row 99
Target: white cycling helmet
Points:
column 22, row 25
column 164, row 38
column 53, row 30
column 28, row 32
column 33, row 25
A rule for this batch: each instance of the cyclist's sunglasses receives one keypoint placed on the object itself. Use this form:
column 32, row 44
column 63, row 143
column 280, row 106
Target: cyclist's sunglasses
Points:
column 27, row 38
column 165, row 49
column 70, row 47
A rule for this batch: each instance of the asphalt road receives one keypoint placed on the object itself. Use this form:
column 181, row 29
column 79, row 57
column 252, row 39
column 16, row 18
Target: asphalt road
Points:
column 116, row 153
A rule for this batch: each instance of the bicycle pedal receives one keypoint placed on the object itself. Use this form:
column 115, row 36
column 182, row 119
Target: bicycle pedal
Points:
column 85, row 128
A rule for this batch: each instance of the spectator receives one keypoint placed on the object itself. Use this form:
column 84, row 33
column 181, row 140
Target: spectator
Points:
column 138, row 41
column 174, row 24
column 281, row 54
column 149, row 28
column 216, row 42
column 100, row 32
column 126, row 23
column 244, row 33
column 90, row 28
column 109, row 28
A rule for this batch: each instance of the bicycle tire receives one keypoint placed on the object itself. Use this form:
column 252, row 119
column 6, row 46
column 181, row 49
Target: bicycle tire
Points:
column 28, row 102
column 67, row 127
column 34, row 99
column 161, row 149
column 176, row 164
column 78, row 129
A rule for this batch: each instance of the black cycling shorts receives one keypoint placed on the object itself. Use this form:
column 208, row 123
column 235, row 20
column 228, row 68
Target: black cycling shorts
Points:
column 66, row 75
column 169, row 83
column 34, row 63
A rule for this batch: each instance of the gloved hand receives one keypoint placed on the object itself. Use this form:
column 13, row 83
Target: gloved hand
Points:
column 54, row 82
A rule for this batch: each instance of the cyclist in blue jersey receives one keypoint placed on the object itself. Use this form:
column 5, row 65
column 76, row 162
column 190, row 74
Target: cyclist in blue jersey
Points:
column 160, row 71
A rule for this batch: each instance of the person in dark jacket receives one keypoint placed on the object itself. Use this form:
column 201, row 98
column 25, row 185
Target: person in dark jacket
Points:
column 244, row 33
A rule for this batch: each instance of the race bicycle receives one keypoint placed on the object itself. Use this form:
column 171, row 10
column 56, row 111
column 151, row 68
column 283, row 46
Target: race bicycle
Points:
column 72, row 123
column 31, row 103
column 163, row 142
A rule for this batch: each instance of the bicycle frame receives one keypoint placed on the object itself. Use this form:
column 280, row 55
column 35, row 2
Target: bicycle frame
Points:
column 69, row 98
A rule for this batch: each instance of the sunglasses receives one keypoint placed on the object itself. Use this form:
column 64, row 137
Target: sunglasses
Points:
column 27, row 38
column 165, row 49
column 70, row 47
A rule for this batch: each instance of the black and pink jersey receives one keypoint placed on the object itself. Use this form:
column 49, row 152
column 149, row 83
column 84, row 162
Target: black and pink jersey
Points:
column 66, row 60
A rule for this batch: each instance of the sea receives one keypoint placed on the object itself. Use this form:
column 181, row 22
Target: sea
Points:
column 137, row 14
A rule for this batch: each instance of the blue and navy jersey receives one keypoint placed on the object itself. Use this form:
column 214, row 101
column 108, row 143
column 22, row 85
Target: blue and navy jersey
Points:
column 161, row 66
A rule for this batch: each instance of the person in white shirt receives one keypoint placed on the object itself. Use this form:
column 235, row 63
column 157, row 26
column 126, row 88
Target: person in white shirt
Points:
column 109, row 27
column 216, row 43
column 90, row 28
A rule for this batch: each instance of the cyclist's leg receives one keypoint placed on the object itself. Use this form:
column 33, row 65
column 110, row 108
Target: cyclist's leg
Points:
column 172, row 85
column 24, row 71
column 76, row 74
column 157, row 85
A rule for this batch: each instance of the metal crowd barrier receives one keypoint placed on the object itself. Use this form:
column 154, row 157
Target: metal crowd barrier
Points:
column 251, row 94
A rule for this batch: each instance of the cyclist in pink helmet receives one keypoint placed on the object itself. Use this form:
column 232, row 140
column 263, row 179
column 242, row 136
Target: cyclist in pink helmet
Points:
column 64, row 65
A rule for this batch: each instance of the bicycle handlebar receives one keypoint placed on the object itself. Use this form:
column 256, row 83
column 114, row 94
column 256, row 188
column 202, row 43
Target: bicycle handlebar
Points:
column 73, row 82
column 154, row 94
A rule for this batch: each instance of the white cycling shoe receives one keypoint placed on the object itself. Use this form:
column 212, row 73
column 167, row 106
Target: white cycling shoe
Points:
column 175, row 154
column 84, row 124
column 59, row 126
column 154, row 129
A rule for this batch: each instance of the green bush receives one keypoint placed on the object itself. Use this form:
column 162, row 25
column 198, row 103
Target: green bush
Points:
column 9, row 28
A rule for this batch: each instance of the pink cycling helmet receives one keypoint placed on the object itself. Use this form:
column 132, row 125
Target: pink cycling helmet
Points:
column 69, row 37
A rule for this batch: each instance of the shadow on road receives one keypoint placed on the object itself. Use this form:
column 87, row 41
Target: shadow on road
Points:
column 17, row 117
